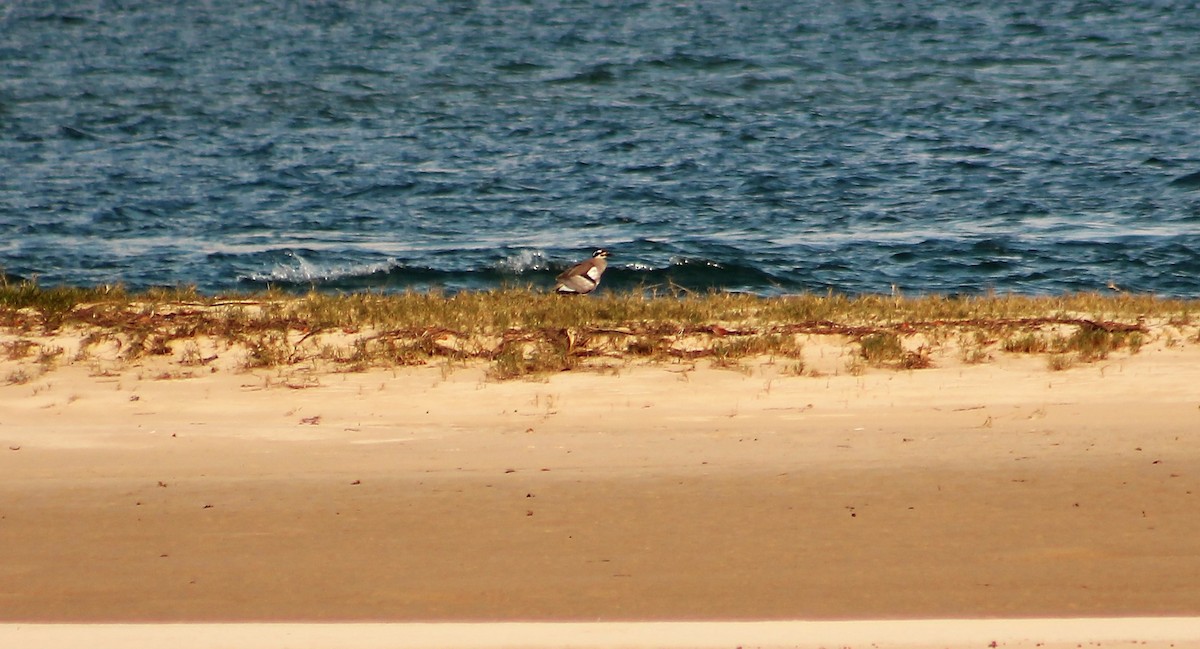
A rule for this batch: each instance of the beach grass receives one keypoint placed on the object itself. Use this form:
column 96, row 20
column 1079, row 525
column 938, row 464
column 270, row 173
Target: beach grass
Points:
column 522, row 332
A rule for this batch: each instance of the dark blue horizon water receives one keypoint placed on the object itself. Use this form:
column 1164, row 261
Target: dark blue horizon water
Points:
column 773, row 146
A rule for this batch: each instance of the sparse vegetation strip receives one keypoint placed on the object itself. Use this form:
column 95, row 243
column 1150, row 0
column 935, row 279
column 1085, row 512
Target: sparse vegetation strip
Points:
column 522, row 331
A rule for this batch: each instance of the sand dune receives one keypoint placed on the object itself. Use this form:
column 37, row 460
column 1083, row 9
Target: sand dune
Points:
column 652, row 493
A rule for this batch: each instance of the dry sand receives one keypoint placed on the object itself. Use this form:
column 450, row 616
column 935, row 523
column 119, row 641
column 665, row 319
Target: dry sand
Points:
column 1039, row 633
column 652, row 493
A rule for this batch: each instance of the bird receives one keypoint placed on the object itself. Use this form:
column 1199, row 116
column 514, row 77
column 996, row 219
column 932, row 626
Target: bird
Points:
column 584, row 277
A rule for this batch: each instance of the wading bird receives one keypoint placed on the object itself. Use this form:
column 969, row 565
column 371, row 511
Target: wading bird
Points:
column 584, row 277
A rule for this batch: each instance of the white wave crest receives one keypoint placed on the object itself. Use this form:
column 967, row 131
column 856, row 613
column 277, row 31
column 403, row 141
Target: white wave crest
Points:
column 523, row 261
column 304, row 271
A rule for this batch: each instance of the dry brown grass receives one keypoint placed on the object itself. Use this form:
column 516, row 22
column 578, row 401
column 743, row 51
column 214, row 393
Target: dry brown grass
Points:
column 523, row 332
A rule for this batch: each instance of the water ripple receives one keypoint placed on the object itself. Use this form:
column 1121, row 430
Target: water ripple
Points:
column 770, row 147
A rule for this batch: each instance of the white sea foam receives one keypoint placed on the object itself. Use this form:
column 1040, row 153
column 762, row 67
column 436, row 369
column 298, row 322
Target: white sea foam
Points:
column 522, row 262
column 302, row 271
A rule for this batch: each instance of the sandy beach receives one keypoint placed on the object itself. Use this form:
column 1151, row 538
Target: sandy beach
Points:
column 1022, row 633
column 648, row 492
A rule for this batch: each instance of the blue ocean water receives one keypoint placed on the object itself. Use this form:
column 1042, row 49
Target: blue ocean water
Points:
column 771, row 146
